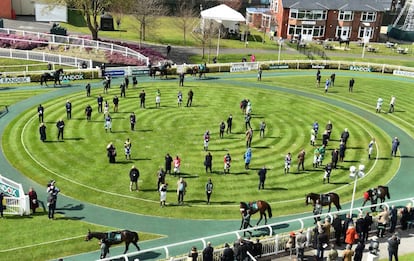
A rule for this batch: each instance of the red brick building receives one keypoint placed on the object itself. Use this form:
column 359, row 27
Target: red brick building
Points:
column 321, row 19
column 6, row 9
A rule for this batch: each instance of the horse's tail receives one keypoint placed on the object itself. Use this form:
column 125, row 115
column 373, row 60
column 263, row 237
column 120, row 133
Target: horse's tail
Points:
column 339, row 204
column 136, row 237
column 269, row 210
column 388, row 192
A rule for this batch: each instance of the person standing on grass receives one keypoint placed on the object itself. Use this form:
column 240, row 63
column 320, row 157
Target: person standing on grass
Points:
column 40, row 112
column 161, row 178
column 371, row 147
column 288, row 160
column 133, row 178
column 108, row 123
column 88, row 89
column 262, row 177
column 351, row 85
column 206, row 138
column 249, row 137
column 222, row 128
column 392, row 104
column 100, row 103
column 209, row 190
column 262, row 129
column 142, row 99
column 394, row 146
column 111, row 152
column 327, row 84
column 123, row 89
column 301, row 160
column 181, row 189
column 132, row 120
column 68, row 107
column 342, row 149
column 42, row 132
column 247, row 119
column 379, row 105
column 190, row 96
column 126, row 82
column 158, row 98
column 208, row 162
column 60, row 126
column 127, row 147
column 179, row 98
column 227, row 163
column 259, row 74
column 318, row 78
column 168, row 162
column 88, row 112
column 181, row 77
column 247, row 158
column 177, row 165
column 163, row 194
column 312, row 137
column 229, row 124
column 34, row 203
column 315, row 127
column 115, row 100
column 335, row 157
column 106, row 108
column 333, row 79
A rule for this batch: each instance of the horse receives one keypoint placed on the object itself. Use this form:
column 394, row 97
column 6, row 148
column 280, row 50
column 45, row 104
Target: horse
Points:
column 200, row 69
column 116, row 237
column 162, row 68
column 257, row 206
column 51, row 76
column 373, row 194
column 341, row 41
column 324, row 200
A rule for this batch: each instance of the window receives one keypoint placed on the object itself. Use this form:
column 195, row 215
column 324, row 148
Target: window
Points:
column 317, row 31
column 308, row 15
column 365, row 32
column 266, row 21
column 274, row 5
column 343, row 32
column 368, row 16
column 346, row 15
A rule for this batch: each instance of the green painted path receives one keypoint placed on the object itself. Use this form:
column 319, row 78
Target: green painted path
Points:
column 176, row 230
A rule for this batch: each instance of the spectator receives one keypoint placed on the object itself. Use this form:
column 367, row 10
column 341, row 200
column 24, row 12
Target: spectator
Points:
column 208, row 252
column 133, row 177
column 208, row 162
column 209, row 190
column 351, row 235
column 394, row 146
column 333, row 254
column 393, row 244
column 300, row 244
column 163, row 194
column 193, row 254
column 348, row 253
column 359, row 250
column 262, row 177
column 181, row 189
column 228, row 254
column 392, row 104
column 34, row 203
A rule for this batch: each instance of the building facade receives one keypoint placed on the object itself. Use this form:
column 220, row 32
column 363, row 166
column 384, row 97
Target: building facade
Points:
column 323, row 19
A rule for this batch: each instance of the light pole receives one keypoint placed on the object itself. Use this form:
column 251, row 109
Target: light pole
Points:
column 280, row 41
column 355, row 174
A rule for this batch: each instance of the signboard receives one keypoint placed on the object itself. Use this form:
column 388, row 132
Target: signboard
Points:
column 403, row 73
column 314, row 66
column 15, row 80
column 115, row 73
column 8, row 188
column 139, row 72
column 71, row 77
column 360, row 68
column 278, row 66
column 309, row 22
column 243, row 67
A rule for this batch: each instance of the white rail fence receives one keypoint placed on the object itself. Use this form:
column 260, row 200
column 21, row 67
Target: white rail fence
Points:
column 273, row 242
column 73, row 41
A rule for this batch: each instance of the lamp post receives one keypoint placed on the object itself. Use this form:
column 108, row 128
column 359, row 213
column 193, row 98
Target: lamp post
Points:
column 280, row 41
column 355, row 174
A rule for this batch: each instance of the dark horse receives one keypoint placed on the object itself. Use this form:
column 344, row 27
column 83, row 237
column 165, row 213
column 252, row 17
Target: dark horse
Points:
column 257, row 206
column 374, row 194
column 116, row 237
column 51, row 76
column 162, row 69
column 324, row 200
column 341, row 41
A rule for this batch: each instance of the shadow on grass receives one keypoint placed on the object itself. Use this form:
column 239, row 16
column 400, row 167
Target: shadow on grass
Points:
column 149, row 130
column 275, row 188
column 405, row 157
column 78, row 138
column 146, row 256
column 383, row 158
column 140, row 159
column 260, row 147
column 123, row 131
column 339, row 183
column 72, row 207
column 67, row 218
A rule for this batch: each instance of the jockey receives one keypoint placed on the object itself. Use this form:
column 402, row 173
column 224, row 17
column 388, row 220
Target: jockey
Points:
column 206, row 139
column 227, row 162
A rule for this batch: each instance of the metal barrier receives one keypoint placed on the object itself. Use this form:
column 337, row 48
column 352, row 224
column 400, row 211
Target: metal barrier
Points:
column 75, row 41
column 274, row 243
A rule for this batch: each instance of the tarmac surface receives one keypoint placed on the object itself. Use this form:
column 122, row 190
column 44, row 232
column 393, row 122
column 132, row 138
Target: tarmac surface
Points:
column 173, row 229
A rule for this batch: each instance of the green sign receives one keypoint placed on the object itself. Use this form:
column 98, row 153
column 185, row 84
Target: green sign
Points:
column 9, row 190
column 138, row 72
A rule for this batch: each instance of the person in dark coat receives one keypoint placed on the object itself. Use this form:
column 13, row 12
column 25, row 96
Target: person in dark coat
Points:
column 394, row 146
column 68, row 107
column 342, row 149
column 1, row 204
column 126, row 81
column 42, row 132
column 321, row 244
column 337, row 225
column 132, row 120
column 190, row 96
column 168, row 162
column 359, row 226
column 229, row 124
column 60, row 125
column 88, row 90
column 367, row 226
column 111, row 152
column 335, row 157
column 208, row 162
column 51, row 203
column 228, row 254
column 345, row 135
column 359, row 250
column 262, row 177
column 208, row 252
column 133, row 178
column 393, row 243
column 393, row 218
column 88, row 112
column 40, row 112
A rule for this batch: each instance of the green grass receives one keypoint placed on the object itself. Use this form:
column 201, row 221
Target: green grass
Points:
column 38, row 238
column 179, row 131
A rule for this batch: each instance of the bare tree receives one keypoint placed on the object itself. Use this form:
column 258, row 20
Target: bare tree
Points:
column 90, row 9
column 146, row 12
column 186, row 15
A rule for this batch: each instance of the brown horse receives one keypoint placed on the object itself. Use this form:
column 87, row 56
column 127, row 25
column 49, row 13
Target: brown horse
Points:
column 324, row 200
column 380, row 192
column 257, row 206
column 116, row 237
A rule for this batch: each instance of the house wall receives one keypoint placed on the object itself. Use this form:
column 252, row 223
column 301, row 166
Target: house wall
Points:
column 6, row 9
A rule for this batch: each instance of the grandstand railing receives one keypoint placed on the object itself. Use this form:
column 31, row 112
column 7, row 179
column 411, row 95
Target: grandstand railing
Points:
column 273, row 244
column 76, row 41
column 44, row 57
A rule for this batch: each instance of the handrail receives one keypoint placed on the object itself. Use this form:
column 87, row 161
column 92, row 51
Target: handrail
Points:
column 220, row 237
column 76, row 41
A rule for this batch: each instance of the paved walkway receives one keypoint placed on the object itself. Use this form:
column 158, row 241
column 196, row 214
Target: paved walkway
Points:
column 176, row 230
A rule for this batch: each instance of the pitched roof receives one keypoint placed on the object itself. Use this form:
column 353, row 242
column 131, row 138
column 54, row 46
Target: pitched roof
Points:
column 345, row 5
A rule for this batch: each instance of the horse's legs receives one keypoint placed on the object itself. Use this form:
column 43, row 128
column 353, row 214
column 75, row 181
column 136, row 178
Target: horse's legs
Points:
column 126, row 247
column 329, row 208
column 136, row 245
column 363, row 203
column 261, row 217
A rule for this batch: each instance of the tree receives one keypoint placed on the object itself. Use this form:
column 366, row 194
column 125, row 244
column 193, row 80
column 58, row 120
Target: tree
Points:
column 146, row 12
column 186, row 15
